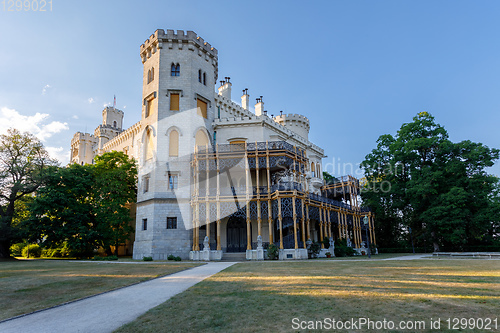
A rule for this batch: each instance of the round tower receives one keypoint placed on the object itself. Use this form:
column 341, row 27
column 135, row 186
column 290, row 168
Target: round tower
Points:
column 295, row 122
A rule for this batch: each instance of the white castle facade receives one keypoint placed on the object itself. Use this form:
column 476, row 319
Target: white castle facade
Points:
column 215, row 177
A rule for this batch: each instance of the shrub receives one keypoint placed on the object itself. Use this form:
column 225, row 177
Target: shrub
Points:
column 177, row 258
column 16, row 250
column 147, row 258
column 326, row 242
column 35, row 251
column 272, row 251
column 313, row 250
column 108, row 258
column 171, row 257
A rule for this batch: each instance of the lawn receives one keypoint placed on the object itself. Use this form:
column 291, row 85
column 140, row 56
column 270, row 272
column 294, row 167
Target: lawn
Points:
column 29, row 285
column 267, row 296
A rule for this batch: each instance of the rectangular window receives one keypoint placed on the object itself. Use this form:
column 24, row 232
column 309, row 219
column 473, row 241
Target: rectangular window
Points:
column 202, row 108
column 171, row 222
column 144, row 224
column 172, row 181
column 149, row 104
column 146, row 184
column 174, row 102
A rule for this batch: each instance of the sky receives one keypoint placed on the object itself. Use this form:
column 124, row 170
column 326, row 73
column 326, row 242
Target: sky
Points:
column 356, row 69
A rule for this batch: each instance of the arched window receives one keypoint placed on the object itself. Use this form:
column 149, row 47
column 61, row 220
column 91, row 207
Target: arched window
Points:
column 173, row 143
column 114, row 124
column 152, row 73
column 204, row 78
column 199, row 75
column 175, row 70
column 313, row 169
column 318, row 170
column 149, row 76
column 201, row 138
column 148, row 145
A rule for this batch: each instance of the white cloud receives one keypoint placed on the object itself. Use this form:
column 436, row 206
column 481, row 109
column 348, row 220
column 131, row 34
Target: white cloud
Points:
column 59, row 153
column 106, row 104
column 75, row 116
column 44, row 90
column 10, row 118
column 91, row 100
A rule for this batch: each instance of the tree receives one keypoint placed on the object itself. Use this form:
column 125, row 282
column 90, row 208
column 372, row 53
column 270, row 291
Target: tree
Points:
column 329, row 179
column 23, row 161
column 115, row 190
column 420, row 179
column 63, row 210
column 86, row 207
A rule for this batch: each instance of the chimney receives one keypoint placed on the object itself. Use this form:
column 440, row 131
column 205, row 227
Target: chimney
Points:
column 225, row 88
column 245, row 99
column 259, row 107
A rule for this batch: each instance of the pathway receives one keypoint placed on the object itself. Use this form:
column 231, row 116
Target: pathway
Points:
column 109, row 311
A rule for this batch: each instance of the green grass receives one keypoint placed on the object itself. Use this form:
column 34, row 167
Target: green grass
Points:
column 266, row 296
column 29, row 285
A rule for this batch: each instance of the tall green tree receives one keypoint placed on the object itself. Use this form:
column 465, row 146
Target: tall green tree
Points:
column 114, row 190
column 86, row 207
column 23, row 161
column 63, row 211
column 420, row 179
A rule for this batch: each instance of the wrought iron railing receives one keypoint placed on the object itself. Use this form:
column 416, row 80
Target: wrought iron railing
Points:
column 252, row 146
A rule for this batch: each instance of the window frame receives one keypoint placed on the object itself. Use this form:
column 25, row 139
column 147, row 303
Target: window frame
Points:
column 171, row 222
column 173, row 181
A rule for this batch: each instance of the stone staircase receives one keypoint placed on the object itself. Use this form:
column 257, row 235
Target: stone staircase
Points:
column 234, row 256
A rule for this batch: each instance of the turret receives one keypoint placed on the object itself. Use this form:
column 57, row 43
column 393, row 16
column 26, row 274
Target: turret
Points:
column 294, row 122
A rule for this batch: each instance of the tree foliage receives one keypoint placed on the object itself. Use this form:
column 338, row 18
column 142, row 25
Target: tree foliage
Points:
column 23, row 162
column 115, row 190
column 86, row 207
column 420, row 179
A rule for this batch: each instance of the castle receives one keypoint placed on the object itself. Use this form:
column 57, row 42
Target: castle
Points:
column 214, row 177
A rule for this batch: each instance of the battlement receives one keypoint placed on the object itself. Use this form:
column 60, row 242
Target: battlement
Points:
column 111, row 108
column 80, row 136
column 159, row 38
column 291, row 117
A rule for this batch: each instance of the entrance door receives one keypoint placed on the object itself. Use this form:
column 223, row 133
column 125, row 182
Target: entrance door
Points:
column 236, row 234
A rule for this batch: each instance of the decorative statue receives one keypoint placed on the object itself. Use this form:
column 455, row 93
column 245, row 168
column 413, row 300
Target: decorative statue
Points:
column 206, row 245
column 259, row 241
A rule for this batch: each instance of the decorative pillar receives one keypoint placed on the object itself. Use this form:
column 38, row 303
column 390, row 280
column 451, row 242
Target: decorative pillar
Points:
column 294, row 210
column 280, row 219
column 308, row 224
column 247, row 197
column 257, row 180
column 303, row 224
column 269, row 206
column 321, row 227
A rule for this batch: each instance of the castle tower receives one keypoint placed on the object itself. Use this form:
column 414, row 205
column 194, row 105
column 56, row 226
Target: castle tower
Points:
column 112, row 117
column 179, row 75
column 295, row 122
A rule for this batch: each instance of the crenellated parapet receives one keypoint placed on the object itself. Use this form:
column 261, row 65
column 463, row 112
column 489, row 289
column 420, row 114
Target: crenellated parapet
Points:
column 179, row 39
column 294, row 122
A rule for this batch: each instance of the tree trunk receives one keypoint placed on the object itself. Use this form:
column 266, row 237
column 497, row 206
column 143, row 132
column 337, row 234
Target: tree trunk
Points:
column 434, row 243
column 5, row 249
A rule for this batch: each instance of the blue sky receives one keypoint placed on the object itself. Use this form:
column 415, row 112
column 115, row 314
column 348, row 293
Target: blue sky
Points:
column 356, row 69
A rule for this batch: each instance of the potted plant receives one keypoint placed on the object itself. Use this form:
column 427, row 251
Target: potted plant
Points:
column 328, row 255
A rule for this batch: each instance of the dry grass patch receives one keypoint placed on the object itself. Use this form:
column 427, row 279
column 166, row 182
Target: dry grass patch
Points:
column 255, row 297
column 29, row 285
